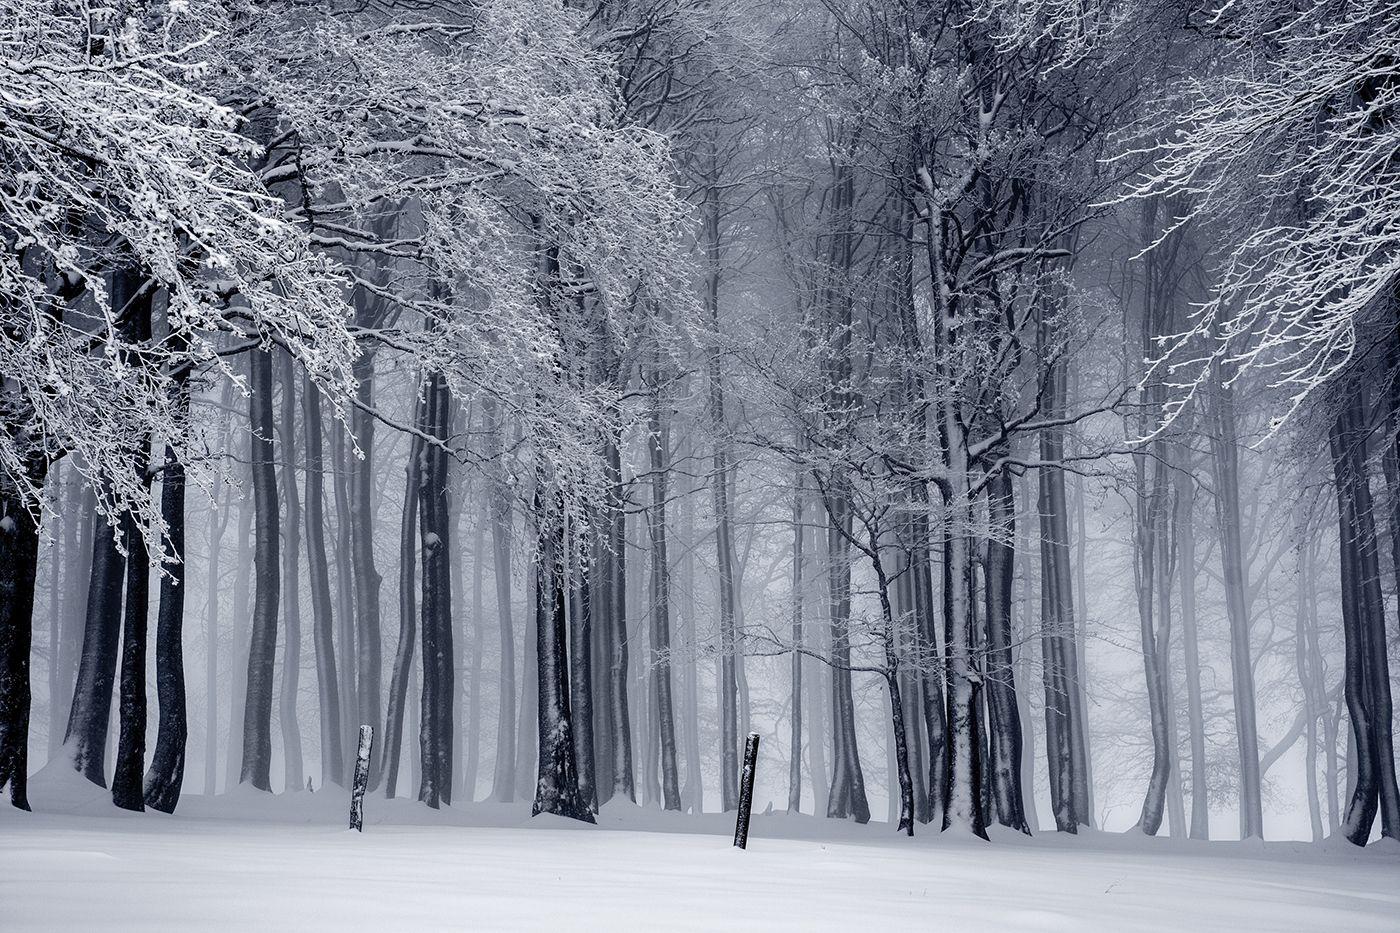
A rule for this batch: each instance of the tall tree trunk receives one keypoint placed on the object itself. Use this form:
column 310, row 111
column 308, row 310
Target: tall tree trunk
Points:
column 322, row 618
column 361, row 526
column 471, row 654
column 581, row 672
column 217, row 523
column 291, row 584
column 1225, row 447
column 724, row 540
column 1185, row 530
column 556, row 790
column 659, row 447
column 262, row 650
column 499, row 512
column 799, row 535
column 1004, row 714
column 344, row 460
column 1366, row 677
column 408, row 611
column 1066, row 744
column 166, row 775
column 131, row 706
column 435, row 521
column 86, row 736
column 19, row 570
column 620, row 725
column 846, row 798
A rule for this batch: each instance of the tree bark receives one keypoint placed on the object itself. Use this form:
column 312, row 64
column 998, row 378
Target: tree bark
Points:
column 408, row 609
column 166, row 775
column 1003, row 713
column 262, row 650
column 322, row 618
column 1225, row 448
column 1366, row 677
column 19, row 570
column 556, row 790
column 291, row 584
column 435, row 520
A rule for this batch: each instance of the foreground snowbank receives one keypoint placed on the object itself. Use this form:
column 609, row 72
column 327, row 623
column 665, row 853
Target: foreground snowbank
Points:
column 250, row 861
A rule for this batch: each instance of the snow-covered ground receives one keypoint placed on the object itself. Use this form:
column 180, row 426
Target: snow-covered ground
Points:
column 252, row 862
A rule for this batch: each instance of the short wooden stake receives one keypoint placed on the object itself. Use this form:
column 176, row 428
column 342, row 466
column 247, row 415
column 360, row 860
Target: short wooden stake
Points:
column 357, row 789
column 741, row 828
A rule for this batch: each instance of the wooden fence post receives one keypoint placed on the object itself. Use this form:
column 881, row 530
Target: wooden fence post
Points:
column 357, row 789
column 741, row 828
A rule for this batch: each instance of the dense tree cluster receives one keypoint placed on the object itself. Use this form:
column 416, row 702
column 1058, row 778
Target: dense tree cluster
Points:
column 850, row 371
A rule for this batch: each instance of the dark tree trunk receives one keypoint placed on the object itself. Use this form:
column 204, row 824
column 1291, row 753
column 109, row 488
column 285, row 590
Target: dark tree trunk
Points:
column 846, row 799
column 166, row 774
column 581, row 679
column 1366, row 677
column 262, row 650
column 19, row 569
column 1003, row 713
column 322, row 619
column 131, row 708
column 86, row 738
column 435, row 520
column 556, row 790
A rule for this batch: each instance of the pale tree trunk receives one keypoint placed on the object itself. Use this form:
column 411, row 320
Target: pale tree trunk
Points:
column 799, row 534
column 322, row 619
column 499, row 512
column 217, row 524
column 262, row 649
column 469, row 731
column 620, row 725
column 291, row 583
column 366, row 576
column 343, row 466
column 1185, row 531
column 724, row 540
column 664, row 716
column 389, row 758
column 693, row 790
column 1225, row 460
column 241, row 629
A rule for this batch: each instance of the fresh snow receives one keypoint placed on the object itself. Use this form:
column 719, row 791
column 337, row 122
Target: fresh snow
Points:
column 250, row 861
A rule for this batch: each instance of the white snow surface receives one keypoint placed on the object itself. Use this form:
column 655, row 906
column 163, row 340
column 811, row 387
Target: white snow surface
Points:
column 251, row 861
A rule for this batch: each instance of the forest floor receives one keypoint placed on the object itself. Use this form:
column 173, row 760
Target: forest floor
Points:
column 254, row 862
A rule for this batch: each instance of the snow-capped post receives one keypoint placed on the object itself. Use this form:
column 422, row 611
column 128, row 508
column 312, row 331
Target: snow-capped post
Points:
column 357, row 789
column 741, row 827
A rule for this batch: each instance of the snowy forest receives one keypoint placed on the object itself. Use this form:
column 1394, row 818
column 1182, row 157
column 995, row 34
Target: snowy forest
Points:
column 993, row 405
